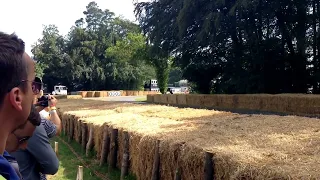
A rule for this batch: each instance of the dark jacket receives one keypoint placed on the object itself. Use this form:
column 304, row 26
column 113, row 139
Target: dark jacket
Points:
column 38, row 157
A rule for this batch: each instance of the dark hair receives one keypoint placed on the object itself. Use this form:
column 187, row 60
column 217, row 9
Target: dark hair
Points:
column 34, row 116
column 13, row 68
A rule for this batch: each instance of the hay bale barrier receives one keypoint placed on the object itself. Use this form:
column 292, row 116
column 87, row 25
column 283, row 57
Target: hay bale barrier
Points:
column 166, row 142
column 97, row 94
column 295, row 104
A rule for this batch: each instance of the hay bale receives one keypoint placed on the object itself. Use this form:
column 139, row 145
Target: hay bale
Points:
column 107, row 93
column 114, row 143
column 90, row 142
column 91, row 94
column 77, row 131
column 140, row 93
column 105, row 145
column 83, row 93
column 150, row 98
column 130, row 93
column 98, row 94
column 63, row 120
column 84, row 136
column 135, row 93
column 182, row 99
column 172, row 99
column 125, row 155
column 193, row 100
column 98, row 139
column 249, row 102
column 157, row 98
column 72, row 120
column 227, row 101
column 60, row 96
column 143, row 159
column 189, row 158
column 74, row 97
column 123, row 93
column 134, row 150
column 120, row 148
column 164, row 99
column 231, row 137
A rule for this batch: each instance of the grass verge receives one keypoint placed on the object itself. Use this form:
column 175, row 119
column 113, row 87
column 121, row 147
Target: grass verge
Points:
column 69, row 163
column 141, row 99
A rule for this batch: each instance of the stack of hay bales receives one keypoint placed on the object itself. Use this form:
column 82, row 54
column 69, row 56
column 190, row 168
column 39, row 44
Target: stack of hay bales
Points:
column 173, row 157
column 191, row 157
column 91, row 94
column 283, row 103
column 74, row 97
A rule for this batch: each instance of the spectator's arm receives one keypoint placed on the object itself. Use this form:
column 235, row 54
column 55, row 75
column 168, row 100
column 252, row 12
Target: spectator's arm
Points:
column 51, row 129
column 39, row 146
column 55, row 119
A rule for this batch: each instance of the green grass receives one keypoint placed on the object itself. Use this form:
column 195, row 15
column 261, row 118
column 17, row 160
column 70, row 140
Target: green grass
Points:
column 69, row 163
column 141, row 99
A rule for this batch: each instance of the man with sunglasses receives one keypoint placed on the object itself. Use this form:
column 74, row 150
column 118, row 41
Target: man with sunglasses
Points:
column 17, row 89
column 18, row 139
column 38, row 158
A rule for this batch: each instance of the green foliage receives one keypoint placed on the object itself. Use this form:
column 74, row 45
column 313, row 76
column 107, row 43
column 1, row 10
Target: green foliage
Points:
column 101, row 52
column 244, row 46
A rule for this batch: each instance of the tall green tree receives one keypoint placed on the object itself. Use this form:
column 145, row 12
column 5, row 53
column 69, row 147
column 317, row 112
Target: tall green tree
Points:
column 243, row 46
column 99, row 53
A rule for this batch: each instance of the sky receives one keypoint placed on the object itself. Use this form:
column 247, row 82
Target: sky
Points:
column 27, row 17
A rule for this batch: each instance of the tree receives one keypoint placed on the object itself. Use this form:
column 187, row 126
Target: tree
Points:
column 100, row 52
column 245, row 46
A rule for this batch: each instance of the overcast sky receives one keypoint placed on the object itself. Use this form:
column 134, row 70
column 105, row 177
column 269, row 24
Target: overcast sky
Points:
column 26, row 17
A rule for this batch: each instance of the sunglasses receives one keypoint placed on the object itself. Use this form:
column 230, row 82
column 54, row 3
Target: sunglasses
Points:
column 36, row 86
column 21, row 140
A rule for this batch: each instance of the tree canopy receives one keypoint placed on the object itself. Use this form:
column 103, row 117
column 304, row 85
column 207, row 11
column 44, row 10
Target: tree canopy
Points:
column 100, row 52
column 238, row 46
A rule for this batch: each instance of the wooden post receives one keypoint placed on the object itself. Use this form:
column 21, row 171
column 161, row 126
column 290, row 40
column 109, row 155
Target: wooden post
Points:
column 80, row 173
column 84, row 135
column 125, row 157
column 208, row 166
column 156, row 162
column 105, row 145
column 90, row 141
column 56, row 147
column 113, row 149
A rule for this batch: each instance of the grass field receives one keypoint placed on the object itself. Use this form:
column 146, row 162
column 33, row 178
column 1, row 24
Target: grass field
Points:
column 245, row 145
column 69, row 163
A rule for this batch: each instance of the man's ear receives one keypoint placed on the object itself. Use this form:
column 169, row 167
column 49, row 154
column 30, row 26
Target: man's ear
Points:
column 16, row 98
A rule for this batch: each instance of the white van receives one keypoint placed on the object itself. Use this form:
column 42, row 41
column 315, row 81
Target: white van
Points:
column 60, row 90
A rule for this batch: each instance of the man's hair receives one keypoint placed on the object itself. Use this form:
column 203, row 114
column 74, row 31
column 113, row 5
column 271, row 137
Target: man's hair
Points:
column 34, row 116
column 13, row 69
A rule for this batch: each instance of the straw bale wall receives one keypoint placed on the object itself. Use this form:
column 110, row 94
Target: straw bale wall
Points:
column 68, row 96
column 89, row 94
column 298, row 104
column 189, row 161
